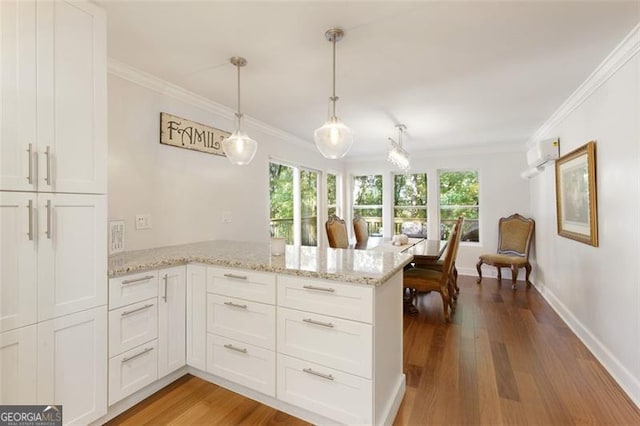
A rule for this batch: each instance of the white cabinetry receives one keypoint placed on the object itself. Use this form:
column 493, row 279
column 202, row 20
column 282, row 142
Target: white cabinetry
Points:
column 133, row 333
column 197, row 316
column 18, row 366
column 241, row 327
column 53, row 86
column 171, row 320
column 72, row 364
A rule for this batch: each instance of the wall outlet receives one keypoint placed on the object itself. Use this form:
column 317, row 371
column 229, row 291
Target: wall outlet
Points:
column 116, row 236
column 143, row 221
column 227, row 217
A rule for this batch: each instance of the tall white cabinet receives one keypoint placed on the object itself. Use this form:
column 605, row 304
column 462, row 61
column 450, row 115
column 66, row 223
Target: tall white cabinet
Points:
column 53, row 206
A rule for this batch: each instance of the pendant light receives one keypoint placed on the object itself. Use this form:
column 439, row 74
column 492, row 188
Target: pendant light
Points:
column 333, row 139
column 397, row 154
column 239, row 147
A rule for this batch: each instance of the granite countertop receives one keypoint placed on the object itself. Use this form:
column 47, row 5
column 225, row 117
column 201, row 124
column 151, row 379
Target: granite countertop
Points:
column 369, row 267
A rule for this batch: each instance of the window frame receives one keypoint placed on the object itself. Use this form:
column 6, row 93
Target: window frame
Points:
column 424, row 207
column 369, row 206
column 462, row 170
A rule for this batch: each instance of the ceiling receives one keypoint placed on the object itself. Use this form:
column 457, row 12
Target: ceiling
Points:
column 457, row 74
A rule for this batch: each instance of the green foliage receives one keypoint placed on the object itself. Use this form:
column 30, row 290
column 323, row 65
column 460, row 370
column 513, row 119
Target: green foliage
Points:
column 309, row 193
column 367, row 190
column 459, row 188
column 410, row 190
column 332, row 186
column 281, row 191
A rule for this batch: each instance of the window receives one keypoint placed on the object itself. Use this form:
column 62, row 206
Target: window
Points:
column 293, row 196
column 410, row 204
column 332, row 190
column 459, row 197
column 367, row 201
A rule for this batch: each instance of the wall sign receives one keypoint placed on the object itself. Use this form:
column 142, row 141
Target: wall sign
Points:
column 183, row 133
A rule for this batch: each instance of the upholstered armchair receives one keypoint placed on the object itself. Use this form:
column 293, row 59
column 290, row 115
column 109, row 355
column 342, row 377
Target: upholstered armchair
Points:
column 514, row 242
column 337, row 232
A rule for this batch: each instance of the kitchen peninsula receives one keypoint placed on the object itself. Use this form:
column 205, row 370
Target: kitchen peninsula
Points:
column 316, row 332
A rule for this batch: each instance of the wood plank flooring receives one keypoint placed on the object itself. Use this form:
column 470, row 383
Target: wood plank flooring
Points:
column 506, row 359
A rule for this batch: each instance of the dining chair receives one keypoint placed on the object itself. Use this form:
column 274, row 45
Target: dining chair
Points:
column 438, row 265
column 514, row 241
column 360, row 228
column 426, row 280
column 337, row 232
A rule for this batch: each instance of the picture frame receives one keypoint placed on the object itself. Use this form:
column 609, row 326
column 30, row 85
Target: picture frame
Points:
column 576, row 201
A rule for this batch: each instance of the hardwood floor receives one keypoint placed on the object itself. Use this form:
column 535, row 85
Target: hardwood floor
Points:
column 506, row 358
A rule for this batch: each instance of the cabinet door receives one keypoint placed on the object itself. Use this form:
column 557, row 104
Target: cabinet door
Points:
column 71, row 97
column 17, row 260
column 72, row 258
column 17, row 94
column 18, row 366
column 196, row 316
column 72, row 364
column 171, row 320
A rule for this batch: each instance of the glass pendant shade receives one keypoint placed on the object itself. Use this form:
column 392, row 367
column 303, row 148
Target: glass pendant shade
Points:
column 398, row 157
column 333, row 139
column 240, row 148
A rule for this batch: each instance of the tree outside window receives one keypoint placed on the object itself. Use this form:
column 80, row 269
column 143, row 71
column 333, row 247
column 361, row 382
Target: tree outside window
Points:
column 367, row 201
column 410, row 204
column 332, row 190
column 459, row 196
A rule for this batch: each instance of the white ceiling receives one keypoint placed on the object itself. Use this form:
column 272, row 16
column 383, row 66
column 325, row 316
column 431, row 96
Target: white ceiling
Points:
column 457, row 74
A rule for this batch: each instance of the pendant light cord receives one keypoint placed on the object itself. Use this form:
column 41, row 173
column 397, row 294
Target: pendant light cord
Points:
column 334, row 98
column 238, row 114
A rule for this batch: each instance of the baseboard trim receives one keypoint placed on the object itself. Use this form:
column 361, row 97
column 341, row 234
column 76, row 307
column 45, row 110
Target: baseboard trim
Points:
column 123, row 405
column 629, row 384
column 398, row 396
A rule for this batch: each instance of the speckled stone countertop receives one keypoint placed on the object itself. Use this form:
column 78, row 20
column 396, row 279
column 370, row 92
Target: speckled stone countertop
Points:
column 369, row 267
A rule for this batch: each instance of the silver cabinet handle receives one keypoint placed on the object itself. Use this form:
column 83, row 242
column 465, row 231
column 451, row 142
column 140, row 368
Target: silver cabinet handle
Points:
column 137, row 280
column 129, row 358
column 30, row 207
column 30, row 176
column 324, row 324
column 238, row 277
column 49, row 217
column 47, row 152
column 235, row 305
column 142, row 308
column 315, row 373
column 165, row 278
column 312, row 287
column 233, row 348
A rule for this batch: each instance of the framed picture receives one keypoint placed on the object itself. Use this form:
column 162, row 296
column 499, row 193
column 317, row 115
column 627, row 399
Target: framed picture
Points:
column 576, row 195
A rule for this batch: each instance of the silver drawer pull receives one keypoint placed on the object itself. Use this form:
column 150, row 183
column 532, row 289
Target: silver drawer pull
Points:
column 324, row 324
column 312, row 287
column 235, row 305
column 233, row 348
column 49, row 232
column 142, row 308
column 129, row 358
column 30, row 151
column 238, row 277
column 30, row 207
column 315, row 373
column 47, row 178
column 137, row 280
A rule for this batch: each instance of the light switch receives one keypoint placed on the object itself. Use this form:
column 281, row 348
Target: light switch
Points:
column 143, row 221
column 226, row 217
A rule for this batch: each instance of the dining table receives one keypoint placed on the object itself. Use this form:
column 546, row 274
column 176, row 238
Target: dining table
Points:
column 424, row 251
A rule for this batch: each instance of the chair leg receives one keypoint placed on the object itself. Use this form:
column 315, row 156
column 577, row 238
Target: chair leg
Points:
column 455, row 280
column 527, row 268
column 479, row 268
column 514, row 276
column 446, row 303
column 499, row 273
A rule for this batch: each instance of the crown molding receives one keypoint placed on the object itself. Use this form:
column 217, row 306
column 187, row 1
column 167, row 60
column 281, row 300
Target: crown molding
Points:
column 623, row 52
column 166, row 88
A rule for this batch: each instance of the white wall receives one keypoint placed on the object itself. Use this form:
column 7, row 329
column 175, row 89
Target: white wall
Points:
column 597, row 289
column 186, row 192
column 502, row 192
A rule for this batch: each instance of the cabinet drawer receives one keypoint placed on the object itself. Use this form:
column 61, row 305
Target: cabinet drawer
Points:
column 339, row 396
column 132, row 288
column 326, row 297
column 249, row 322
column 242, row 363
column 132, row 370
column 249, row 285
column 337, row 343
column 132, row 325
